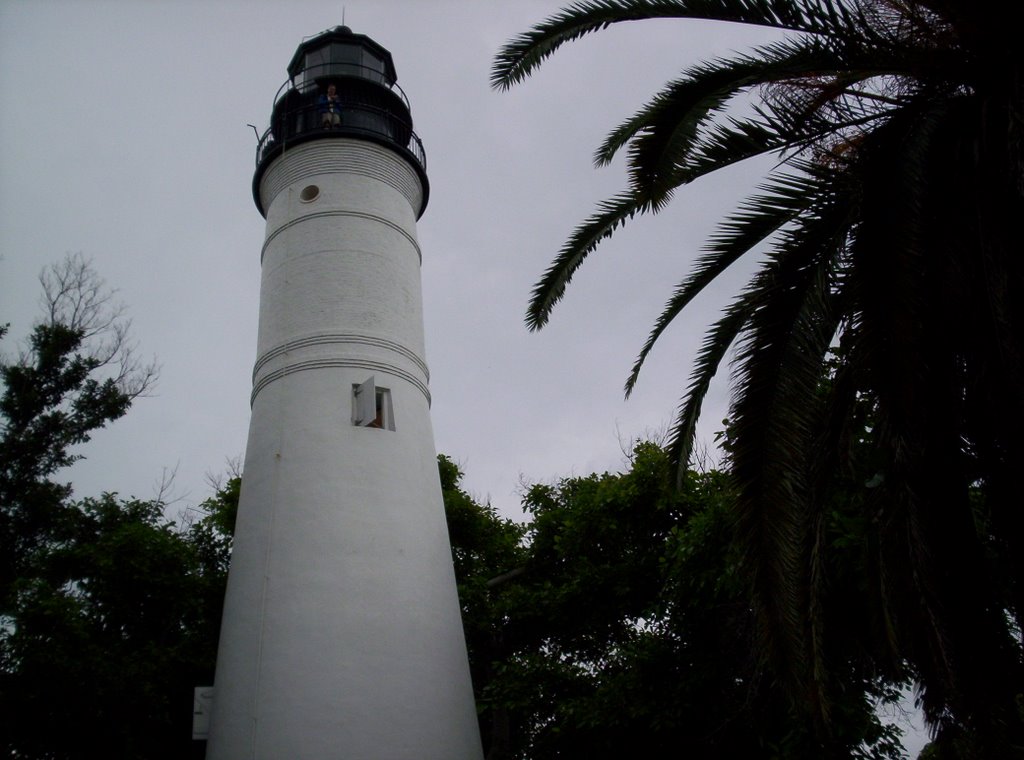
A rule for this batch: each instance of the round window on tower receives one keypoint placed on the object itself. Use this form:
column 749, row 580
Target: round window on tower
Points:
column 309, row 193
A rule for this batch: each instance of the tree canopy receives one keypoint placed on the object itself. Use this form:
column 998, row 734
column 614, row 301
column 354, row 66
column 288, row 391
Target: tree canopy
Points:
column 889, row 229
column 618, row 617
column 110, row 610
column 620, row 611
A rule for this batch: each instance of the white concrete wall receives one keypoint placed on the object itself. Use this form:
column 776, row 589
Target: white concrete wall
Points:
column 341, row 636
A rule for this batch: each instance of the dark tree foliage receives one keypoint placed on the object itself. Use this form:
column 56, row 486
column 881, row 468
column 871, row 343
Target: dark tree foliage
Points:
column 78, row 372
column 890, row 227
column 111, row 633
column 110, row 611
column 484, row 546
column 50, row 403
column 626, row 624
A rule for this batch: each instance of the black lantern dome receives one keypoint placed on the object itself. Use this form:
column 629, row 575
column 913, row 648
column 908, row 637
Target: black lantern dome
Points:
column 366, row 102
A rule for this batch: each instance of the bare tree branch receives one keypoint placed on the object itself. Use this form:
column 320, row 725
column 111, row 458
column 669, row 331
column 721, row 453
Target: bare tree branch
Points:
column 233, row 469
column 74, row 295
column 164, row 488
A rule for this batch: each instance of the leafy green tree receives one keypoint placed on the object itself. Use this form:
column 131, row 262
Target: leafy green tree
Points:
column 79, row 372
column 110, row 611
column 485, row 546
column 112, row 632
column 891, row 225
column 626, row 624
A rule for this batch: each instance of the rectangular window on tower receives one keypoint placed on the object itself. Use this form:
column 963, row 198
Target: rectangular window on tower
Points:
column 371, row 406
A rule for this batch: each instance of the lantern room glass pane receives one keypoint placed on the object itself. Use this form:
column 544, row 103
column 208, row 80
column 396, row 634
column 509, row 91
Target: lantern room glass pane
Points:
column 345, row 60
column 373, row 68
column 314, row 58
column 313, row 66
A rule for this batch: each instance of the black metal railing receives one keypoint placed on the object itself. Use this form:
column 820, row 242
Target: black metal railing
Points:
column 367, row 110
column 306, row 122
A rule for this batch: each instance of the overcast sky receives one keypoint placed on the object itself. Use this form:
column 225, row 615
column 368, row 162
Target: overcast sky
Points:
column 123, row 136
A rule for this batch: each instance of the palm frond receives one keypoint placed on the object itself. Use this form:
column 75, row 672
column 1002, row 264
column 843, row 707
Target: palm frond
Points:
column 551, row 287
column 723, row 147
column 922, row 349
column 779, row 364
column 684, row 104
column 518, row 58
column 758, row 218
column 899, row 235
column 909, row 339
column 790, row 254
column 716, row 344
column 666, row 132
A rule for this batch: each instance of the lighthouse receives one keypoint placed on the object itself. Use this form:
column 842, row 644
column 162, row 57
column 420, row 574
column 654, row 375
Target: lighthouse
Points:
column 342, row 635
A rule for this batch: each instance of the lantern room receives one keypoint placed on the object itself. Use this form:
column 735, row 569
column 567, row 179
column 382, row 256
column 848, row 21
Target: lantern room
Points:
column 340, row 84
column 340, row 53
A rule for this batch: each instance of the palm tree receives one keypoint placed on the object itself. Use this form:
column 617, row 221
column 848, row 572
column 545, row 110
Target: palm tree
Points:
column 883, row 330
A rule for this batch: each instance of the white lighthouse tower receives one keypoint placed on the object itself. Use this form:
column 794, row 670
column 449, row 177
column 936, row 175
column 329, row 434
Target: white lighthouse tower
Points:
column 342, row 635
